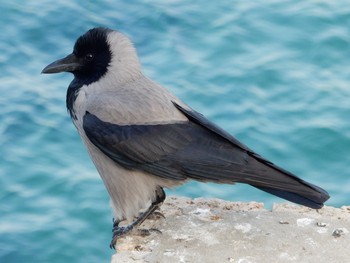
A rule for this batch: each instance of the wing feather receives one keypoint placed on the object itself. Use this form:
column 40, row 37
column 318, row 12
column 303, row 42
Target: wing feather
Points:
column 195, row 149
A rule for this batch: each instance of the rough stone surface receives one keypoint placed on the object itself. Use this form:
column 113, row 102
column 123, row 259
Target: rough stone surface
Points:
column 212, row 230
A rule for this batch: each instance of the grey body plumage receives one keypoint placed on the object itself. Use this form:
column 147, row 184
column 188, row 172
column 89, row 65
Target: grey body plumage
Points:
column 142, row 138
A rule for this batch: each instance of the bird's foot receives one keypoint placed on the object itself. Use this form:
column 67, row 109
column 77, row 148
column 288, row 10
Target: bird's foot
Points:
column 119, row 231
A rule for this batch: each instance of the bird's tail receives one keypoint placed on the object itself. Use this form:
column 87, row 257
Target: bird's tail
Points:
column 315, row 202
column 290, row 187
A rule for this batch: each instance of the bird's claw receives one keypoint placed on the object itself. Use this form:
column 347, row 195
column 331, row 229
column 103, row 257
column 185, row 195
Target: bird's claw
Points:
column 158, row 214
column 119, row 231
column 147, row 232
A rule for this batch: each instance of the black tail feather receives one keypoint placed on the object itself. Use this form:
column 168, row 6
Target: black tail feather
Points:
column 316, row 203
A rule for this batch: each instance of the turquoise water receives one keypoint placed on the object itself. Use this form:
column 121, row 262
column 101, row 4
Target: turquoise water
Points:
column 273, row 73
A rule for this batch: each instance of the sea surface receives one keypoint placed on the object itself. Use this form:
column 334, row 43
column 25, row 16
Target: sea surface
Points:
column 275, row 74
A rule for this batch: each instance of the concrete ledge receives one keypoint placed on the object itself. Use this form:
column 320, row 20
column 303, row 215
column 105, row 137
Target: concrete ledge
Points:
column 212, row 230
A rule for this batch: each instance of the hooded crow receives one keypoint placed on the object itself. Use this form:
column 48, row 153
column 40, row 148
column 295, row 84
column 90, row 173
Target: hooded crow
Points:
column 142, row 138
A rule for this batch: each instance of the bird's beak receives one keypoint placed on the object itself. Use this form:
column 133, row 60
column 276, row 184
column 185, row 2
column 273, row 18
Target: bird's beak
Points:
column 68, row 64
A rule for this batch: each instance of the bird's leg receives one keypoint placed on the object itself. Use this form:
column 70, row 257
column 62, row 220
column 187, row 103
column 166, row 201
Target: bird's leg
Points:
column 119, row 231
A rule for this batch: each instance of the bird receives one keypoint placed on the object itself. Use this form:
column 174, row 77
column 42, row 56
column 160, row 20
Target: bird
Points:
column 143, row 139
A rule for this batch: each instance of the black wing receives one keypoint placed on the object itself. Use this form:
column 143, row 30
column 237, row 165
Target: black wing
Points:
column 196, row 149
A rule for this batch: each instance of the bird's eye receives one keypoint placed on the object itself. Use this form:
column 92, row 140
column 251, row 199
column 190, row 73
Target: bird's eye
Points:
column 89, row 57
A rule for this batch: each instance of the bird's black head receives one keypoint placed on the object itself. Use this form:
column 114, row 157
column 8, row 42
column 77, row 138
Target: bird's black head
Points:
column 90, row 58
column 88, row 62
